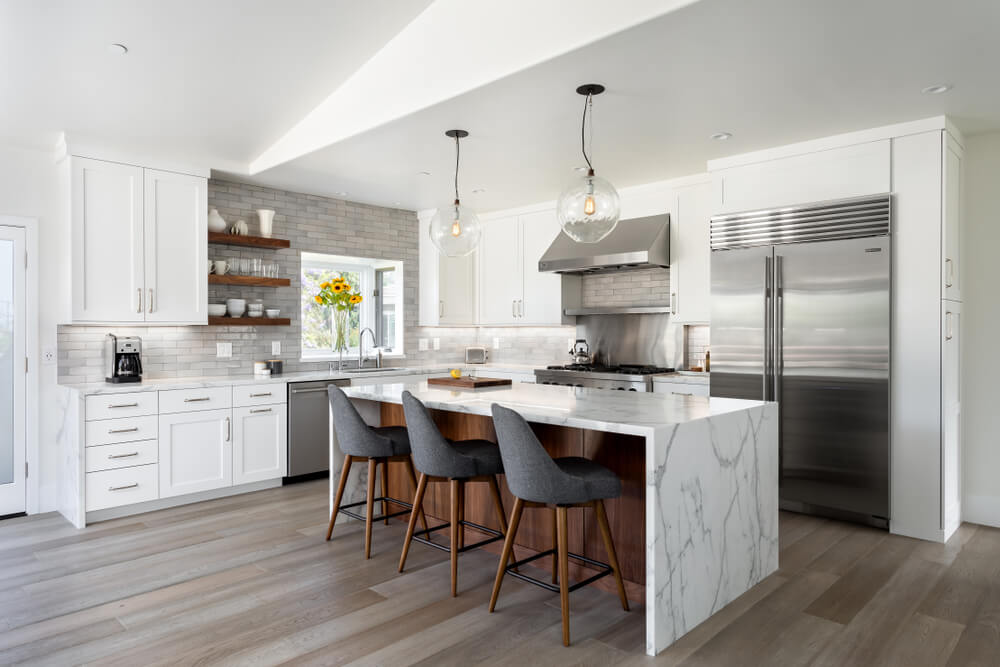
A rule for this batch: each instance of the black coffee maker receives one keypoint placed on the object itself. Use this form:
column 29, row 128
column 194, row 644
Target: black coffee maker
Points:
column 122, row 359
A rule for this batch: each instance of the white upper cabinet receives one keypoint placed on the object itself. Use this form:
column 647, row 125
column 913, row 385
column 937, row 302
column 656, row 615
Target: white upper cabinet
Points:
column 447, row 284
column 512, row 289
column 951, row 190
column 107, row 242
column 690, row 255
column 138, row 244
column 176, row 251
column 500, row 272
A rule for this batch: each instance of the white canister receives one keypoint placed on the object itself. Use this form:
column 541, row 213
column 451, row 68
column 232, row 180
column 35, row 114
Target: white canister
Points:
column 259, row 367
column 266, row 216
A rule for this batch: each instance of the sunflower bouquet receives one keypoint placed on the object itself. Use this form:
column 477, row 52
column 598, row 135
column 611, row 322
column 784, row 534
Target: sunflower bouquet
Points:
column 338, row 294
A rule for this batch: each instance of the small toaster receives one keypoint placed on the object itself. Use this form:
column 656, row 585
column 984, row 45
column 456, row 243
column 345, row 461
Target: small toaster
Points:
column 476, row 355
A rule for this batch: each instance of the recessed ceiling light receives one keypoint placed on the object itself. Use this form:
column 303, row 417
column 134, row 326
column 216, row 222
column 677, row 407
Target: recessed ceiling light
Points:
column 479, row 191
column 117, row 49
column 397, row 203
column 722, row 136
column 423, row 173
column 936, row 89
column 340, row 194
column 580, row 169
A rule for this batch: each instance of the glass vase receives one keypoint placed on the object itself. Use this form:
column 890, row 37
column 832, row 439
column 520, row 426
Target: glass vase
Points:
column 340, row 318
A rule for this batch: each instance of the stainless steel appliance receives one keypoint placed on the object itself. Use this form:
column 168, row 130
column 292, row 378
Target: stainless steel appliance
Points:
column 801, row 316
column 581, row 352
column 639, row 243
column 623, row 378
column 309, row 428
column 122, row 359
column 476, row 354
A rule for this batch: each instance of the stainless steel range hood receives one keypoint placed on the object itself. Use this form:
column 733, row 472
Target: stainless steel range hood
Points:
column 638, row 243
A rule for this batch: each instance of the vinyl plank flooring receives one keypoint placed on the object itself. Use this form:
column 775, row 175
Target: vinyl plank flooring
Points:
column 250, row 580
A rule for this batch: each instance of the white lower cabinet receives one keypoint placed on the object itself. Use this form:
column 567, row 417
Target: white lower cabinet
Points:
column 196, row 451
column 124, row 486
column 259, row 443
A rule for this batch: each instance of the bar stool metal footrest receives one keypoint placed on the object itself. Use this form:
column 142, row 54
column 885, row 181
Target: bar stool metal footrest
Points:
column 384, row 499
column 606, row 569
column 418, row 536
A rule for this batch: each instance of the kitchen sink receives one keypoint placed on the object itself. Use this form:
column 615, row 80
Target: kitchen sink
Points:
column 374, row 370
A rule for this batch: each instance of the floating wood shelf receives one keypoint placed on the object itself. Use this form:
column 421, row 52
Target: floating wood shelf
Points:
column 249, row 321
column 250, row 241
column 248, row 281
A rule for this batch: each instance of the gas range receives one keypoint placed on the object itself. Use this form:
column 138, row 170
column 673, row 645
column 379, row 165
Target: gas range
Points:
column 627, row 377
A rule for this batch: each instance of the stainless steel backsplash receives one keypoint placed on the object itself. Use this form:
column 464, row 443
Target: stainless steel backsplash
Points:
column 634, row 339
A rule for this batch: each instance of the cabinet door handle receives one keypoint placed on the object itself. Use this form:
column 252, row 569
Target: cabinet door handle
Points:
column 197, row 400
column 949, row 272
column 122, row 456
column 261, row 395
column 260, row 410
column 150, row 299
column 123, row 430
column 948, row 333
column 125, row 486
column 123, row 405
column 440, row 308
column 229, row 428
column 138, row 308
column 520, row 308
column 673, row 303
column 513, row 308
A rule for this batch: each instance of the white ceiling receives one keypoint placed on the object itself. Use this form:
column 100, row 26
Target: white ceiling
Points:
column 225, row 86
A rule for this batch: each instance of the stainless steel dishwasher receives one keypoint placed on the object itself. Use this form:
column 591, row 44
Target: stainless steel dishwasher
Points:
column 309, row 429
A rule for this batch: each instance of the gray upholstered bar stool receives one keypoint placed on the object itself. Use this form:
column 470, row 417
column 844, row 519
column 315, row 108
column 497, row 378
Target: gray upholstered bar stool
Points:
column 458, row 462
column 359, row 441
column 538, row 480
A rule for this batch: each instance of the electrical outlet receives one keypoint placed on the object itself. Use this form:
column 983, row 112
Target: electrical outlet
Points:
column 437, row 343
column 422, row 344
column 48, row 356
column 275, row 347
column 496, row 342
column 224, row 350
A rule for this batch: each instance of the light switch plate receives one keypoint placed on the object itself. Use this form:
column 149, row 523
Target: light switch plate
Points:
column 422, row 344
column 437, row 343
column 275, row 347
column 496, row 342
column 224, row 350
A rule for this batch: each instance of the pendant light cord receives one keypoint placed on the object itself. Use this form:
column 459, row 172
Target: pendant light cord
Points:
column 583, row 130
column 458, row 152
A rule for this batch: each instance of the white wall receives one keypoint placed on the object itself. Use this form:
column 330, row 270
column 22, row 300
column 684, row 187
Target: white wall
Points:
column 28, row 189
column 980, row 331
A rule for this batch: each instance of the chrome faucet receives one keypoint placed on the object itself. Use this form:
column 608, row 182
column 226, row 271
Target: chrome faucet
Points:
column 361, row 349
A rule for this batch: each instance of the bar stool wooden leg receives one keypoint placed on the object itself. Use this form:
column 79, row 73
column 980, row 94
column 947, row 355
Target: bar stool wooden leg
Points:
column 461, row 514
column 555, row 548
column 561, row 525
column 413, row 478
column 418, row 500
column 501, row 515
column 372, row 472
column 455, row 485
column 385, row 490
column 508, row 549
column 609, row 545
column 341, row 485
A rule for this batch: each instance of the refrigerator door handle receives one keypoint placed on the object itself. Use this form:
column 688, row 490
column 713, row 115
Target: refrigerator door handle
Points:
column 768, row 311
column 778, row 355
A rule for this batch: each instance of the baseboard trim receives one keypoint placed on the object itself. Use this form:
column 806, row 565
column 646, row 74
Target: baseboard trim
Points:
column 984, row 510
column 932, row 535
column 177, row 501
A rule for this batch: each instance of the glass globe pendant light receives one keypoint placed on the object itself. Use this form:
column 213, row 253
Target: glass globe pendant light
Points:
column 588, row 210
column 455, row 229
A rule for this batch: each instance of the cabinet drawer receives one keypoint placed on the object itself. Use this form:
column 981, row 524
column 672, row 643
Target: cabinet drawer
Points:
column 132, row 404
column 122, row 455
column 249, row 395
column 111, row 488
column 189, row 400
column 109, row 431
column 682, row 388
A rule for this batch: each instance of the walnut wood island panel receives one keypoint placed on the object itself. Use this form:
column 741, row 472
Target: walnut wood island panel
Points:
column 697, row 523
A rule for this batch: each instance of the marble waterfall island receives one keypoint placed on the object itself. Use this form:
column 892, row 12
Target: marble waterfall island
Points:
column 697, row 523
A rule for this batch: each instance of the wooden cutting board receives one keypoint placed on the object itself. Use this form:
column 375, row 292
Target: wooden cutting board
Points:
column 469, row 382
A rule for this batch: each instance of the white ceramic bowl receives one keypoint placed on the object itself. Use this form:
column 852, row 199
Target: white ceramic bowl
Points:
column 272, row 312
column 216, row 309
column 236, row 307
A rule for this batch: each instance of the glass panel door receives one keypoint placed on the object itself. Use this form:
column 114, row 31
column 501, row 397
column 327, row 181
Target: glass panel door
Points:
column 12, row 370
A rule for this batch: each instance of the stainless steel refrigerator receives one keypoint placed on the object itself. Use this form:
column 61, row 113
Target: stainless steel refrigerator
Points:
column 801, row 316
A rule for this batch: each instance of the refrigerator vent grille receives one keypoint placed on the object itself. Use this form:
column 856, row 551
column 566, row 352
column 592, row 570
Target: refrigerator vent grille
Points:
column 823, row 221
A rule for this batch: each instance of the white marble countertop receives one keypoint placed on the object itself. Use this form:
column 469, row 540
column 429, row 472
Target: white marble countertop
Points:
column 594, row 409
column 161, row 384
column 691, row 377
